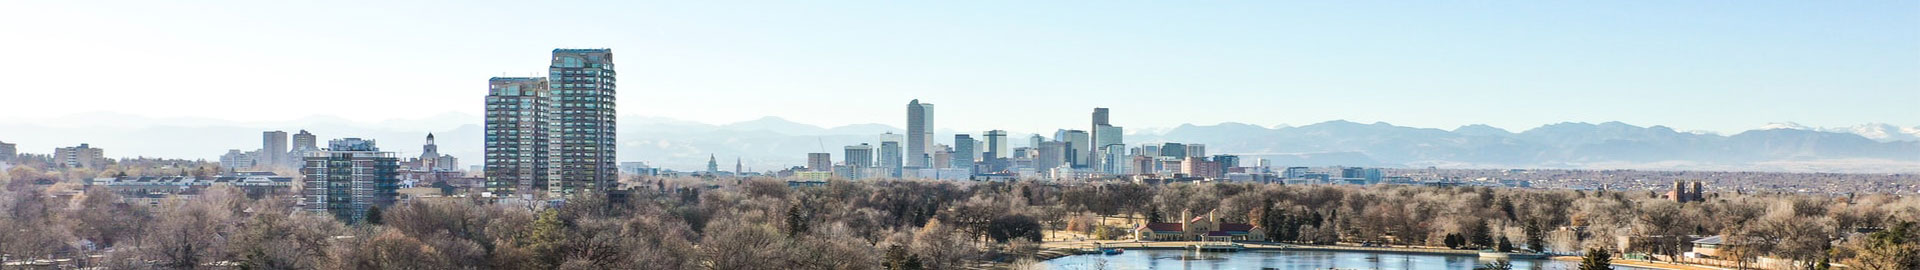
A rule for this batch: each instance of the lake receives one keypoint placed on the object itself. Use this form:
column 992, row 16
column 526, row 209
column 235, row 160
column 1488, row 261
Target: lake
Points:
column 1287, row 259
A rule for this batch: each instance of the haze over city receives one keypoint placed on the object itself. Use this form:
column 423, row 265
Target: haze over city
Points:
column 978, row 135
column 1720, row 67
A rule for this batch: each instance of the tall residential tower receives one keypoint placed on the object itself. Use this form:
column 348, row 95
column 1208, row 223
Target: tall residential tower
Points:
column 520, row 133
column 583, row 88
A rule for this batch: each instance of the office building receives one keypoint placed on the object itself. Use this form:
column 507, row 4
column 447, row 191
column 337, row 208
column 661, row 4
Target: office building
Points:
column 83, row 156
column 820, row 162
column 942, row 156
column 348, row 177
column 919, row 134
column 1079, row 147
column 1107, row 141
column 1227, row 161
column 1295, row 172
column 859, row 156
column 963, row 145
column 273, row 149
column 996, row 145
column 1114, row 159
column 1052, row 154
column 1173, row 150
column 1196, row 150
column 583, row 84
column 520, row 133
column 1035, row 140
column 890, row 157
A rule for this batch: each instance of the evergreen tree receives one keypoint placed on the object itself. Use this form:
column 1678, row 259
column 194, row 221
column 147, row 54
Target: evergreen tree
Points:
column 374, row 215
column 796, row 223
column 1597, row 259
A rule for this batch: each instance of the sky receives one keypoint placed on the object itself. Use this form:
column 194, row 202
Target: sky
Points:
column 1722, row 66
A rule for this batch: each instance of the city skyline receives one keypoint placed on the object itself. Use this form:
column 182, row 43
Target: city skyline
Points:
column 1748, row 64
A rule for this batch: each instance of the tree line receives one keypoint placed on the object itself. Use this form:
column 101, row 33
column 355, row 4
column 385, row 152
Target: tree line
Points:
column 687, row 223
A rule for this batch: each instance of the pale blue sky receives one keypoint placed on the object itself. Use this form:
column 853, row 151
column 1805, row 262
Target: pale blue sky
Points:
column 1019, row 65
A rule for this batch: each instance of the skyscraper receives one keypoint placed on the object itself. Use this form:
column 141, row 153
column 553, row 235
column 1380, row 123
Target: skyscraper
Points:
column 273, row 148
column 348, row 177
column 1100, row 117
column 1079, row 147
column 919, row 134
column 520, row 133
column 997, row 145
column 890, row 154
column 859, row 156
column 583, row 88
column 962, row 152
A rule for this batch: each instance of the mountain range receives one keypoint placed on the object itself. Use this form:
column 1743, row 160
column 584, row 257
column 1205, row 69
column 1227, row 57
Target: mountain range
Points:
column 771, row 143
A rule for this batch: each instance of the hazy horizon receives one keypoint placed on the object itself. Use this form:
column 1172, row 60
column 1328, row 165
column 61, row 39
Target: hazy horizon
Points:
column 1721, row 67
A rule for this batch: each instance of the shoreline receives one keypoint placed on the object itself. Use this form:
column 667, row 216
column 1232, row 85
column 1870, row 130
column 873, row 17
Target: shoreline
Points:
column 1072, row 249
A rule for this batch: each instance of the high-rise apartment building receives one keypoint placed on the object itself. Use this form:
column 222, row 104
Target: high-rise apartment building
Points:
column 83, row 156
column 582, row 82
column 996, row 145
column 963, row 149
column 273, row 149
column 348, row 177
column 234, row 160
column 305, row 140
column 8, row 151
column 820, row 162
column 919, row 134
column 859, row 156
column 520, row 133
column 303, row 143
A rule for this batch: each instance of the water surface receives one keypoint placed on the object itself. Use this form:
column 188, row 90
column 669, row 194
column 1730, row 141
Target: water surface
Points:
column 1287, row 259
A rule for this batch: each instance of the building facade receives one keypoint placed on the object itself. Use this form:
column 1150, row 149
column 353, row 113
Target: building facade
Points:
column 919, row 134
column 890, row 156
column 963, row 150
column 8, row 151
column 1079, row 147
column 348, row 177
column 83, row 156
column 520, row 133
column 859, row 156
column 234, row 159
column 583, row 84
column 273, row 149
column 820, row 162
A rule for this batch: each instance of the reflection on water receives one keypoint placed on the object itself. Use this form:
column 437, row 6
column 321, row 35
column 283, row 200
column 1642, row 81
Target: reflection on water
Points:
column 1256, row 260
